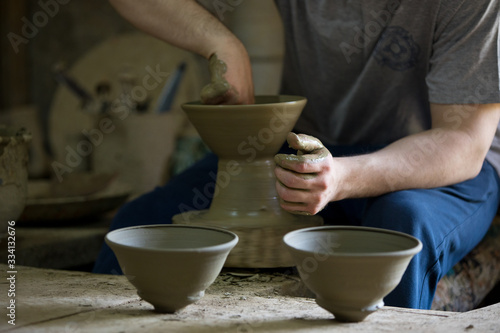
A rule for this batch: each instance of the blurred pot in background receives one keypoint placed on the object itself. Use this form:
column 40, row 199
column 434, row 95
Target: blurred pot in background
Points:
column 14, row 146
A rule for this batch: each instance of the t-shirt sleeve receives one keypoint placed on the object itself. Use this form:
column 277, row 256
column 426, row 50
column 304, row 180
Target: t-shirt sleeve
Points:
column 464, row 65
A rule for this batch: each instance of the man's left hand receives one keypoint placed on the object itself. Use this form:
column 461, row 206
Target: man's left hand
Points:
column 305, row 181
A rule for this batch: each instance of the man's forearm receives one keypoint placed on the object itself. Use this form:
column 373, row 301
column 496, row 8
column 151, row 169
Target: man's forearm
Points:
column 429, row 159
column 449, row 153
column 183, row 23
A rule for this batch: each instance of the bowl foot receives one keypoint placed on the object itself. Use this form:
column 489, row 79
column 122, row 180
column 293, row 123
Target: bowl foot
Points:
column 348, row 314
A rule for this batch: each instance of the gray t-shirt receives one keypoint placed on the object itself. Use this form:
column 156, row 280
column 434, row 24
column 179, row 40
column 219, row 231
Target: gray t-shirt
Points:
column 370, row 68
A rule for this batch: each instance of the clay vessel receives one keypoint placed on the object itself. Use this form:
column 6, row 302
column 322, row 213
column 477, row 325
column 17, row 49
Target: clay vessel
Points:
column 14, row 149
column 171, row 265
column 351, row 269
column 246, row 138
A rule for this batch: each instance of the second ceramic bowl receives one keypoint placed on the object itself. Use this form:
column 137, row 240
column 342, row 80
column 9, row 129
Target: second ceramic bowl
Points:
column 351, row 269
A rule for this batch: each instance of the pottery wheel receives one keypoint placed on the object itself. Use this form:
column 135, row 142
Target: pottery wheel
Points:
column 259, row 246
column 245, row 201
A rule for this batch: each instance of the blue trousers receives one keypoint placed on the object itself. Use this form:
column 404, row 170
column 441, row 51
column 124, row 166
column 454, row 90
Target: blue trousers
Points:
column 450, row 221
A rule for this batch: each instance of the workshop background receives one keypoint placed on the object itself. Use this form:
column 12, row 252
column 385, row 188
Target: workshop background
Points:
column 86, row 38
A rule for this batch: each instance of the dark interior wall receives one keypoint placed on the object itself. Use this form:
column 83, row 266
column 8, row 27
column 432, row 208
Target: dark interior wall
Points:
column 13, row 63
column 61, row 30
column 66, row 29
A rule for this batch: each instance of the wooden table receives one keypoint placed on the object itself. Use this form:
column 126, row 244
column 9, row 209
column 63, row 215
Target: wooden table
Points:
column 68, row 301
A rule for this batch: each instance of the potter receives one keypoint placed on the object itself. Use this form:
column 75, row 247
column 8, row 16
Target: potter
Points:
column 371, row 115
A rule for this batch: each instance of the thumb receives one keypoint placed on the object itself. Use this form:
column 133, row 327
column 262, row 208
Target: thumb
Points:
column 215, row 91
column 303, row 143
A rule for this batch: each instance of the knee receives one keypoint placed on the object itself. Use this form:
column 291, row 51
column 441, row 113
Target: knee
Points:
column 399, row 211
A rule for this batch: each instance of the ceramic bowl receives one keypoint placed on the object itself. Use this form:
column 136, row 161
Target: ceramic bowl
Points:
column 351, row 269
column 171, row 265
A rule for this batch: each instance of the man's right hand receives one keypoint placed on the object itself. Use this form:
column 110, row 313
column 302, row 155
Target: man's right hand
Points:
column 191, row 27
column 231, row 79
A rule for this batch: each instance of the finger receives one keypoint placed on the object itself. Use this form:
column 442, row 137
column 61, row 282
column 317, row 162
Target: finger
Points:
column 294, row 208
column 295, row 180
column 308, row 163
column 297, row 200
column 214, row 93
column 217, row 68
column 300, row 207
column 293, row 195
column 304, row 143
column 232, row 97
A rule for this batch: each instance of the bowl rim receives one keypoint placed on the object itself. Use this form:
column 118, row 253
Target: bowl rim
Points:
column 293, row 100
column 411, row 251
column 213, row 248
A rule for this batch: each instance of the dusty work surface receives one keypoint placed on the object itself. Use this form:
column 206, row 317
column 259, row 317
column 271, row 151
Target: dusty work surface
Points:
column 239, row 301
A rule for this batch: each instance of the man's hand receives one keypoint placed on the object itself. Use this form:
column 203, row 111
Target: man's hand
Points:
column 231, row 79
column 191, row 27
column 305, row 182
column 452, row 151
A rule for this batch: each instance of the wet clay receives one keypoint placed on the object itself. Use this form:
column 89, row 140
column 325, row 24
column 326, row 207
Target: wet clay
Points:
column 246, row 138
column 171, row 266
column 309, row 150
column 356, row 267
column 304, row 143
column 218, row 85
